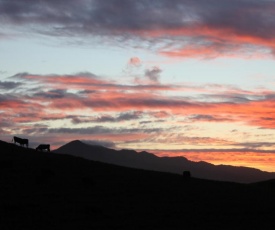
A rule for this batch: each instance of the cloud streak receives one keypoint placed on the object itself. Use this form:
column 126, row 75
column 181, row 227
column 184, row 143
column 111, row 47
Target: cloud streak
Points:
column 62, row 94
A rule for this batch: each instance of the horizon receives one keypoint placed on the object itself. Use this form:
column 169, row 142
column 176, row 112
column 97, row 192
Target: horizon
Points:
column 160, row 76
column 248, row 158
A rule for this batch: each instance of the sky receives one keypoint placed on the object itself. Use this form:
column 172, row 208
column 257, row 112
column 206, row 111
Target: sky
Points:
column 172, row 77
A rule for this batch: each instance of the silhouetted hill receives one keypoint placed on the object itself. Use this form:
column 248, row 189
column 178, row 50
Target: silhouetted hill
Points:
column 54, row 191
column 148, row 161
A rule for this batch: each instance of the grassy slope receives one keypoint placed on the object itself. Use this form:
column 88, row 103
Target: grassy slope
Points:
column 51, row 191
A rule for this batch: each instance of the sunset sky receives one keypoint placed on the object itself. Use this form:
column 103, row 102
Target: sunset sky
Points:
column 172, row 77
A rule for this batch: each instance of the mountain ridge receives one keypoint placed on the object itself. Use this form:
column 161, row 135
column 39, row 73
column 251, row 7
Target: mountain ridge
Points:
column 149, row 161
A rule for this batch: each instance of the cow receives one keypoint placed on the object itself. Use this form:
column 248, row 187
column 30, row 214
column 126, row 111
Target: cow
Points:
column 21, row 141
column 42, row 147
column 186, row 175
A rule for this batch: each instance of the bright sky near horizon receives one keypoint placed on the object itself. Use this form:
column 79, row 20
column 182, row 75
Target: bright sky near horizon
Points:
column 172, row 77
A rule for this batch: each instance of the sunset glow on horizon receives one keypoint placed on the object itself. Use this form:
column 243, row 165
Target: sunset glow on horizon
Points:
column 175, row 78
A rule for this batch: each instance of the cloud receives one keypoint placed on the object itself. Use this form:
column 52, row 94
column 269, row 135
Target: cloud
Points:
column 86, row 83
column 255, row 145
column 126, row 116
column 208, row 118
column 107, row 144
column 101, row 130
column 153, row 74
column 107, row 118
column 53, row 94
column 206, row 28
column 134, row 61
column 7, row 85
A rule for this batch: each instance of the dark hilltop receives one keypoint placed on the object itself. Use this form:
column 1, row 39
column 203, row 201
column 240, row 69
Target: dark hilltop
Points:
column 45, row 190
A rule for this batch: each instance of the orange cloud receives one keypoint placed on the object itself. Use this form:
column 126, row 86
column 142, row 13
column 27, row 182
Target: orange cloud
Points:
column 135, row 61
column 260, row 160
column 210, row 42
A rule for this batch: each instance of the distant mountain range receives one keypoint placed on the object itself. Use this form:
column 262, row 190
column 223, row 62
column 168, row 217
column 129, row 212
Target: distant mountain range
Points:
column 149, row 161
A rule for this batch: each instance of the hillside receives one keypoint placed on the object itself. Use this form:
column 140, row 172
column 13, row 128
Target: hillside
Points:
column 148, row 161
column 52, row 191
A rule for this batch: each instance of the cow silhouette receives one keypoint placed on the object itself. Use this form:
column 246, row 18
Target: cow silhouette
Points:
column 43, row 147
column 21, row 141
column 186, row 174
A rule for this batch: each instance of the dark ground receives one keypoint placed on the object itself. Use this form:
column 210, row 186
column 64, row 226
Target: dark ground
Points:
column 51, row 191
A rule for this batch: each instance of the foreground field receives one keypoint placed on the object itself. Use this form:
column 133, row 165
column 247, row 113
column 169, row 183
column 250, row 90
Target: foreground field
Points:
column 52, row 191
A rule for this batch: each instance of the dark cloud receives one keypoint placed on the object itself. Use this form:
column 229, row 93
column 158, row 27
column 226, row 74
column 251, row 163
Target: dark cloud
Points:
column 96, row 130
column 9, row 85
column 219, row 25
column 233, row 97
column 8, row 98
column 121, row 117
column 34, row 131
column 255, row 145
column 53, row 94
column 151, row 122
column 242, row 16
column 124, row 116
column 101, row 130
column 141, row 103
column 270, row 96
column 129, row 116
column 105, row 118
column 159, row 103
column 80, row 119
column 6, row 122
column 92, row 15
column 21, row 75
column 208, row 118
column 145, row 122
column 85, row 131
column 87, row 92
column 153, row 74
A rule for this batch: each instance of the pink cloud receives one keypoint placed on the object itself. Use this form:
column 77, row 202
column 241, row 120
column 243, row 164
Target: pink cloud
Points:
column 134, row 61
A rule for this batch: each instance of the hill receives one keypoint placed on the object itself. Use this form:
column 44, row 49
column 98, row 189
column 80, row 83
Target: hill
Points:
column 53, row 191
column 148, row 161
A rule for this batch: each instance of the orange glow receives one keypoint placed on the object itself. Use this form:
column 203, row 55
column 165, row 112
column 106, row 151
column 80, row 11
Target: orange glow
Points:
column 221, row 41
column 262, row 161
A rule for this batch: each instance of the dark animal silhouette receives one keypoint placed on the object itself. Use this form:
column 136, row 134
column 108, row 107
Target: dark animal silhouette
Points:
column 42, row 147
column 21, row 141
column 186, row 174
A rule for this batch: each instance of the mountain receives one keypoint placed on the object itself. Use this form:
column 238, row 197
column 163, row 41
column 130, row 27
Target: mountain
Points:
column 148, row 161
column 41, row 190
